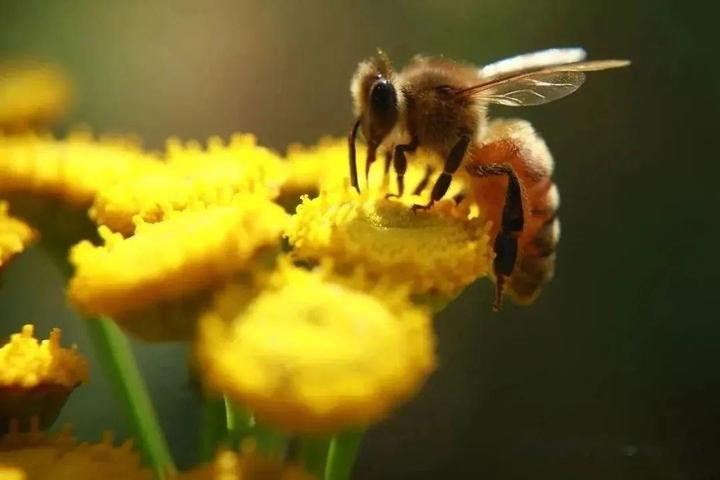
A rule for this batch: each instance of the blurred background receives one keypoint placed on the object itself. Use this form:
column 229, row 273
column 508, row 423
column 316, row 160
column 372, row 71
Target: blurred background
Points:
column 613, row 373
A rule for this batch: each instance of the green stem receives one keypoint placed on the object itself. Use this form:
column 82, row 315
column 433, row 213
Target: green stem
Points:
column 213, row 427
column 115, row 354
column 238, row 423
column 313, row 454
column 344, row 448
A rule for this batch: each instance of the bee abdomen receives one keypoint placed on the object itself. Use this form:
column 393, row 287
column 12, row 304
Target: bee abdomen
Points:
column 536, row 265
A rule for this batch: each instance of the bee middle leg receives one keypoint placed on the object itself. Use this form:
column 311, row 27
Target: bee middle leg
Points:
column 451, row 165
column 400, row 164
column 511, row 224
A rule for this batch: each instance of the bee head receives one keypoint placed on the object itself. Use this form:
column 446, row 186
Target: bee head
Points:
column 375, row 98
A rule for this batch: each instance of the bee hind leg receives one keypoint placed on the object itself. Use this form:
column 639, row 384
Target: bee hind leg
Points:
column 451, row 165
column 511, row 225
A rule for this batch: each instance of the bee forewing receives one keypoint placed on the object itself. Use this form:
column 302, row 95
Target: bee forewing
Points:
column 537, row 87
column 532, row 61
column 534, row 90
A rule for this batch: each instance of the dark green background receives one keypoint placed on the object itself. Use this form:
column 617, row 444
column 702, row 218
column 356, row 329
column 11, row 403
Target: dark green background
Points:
column 613, row 373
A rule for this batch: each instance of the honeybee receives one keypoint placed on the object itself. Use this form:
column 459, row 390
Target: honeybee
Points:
column 440, row 106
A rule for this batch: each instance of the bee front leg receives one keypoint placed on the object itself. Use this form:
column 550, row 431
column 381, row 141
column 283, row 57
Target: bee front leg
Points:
column 400, row 164
column 451, row 165
column 351, row 157
column 511, row 224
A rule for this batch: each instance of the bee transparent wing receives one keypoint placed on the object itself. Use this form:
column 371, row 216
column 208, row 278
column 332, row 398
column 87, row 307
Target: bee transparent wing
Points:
column 531, row 61
column 534, row 90
column 537, row 87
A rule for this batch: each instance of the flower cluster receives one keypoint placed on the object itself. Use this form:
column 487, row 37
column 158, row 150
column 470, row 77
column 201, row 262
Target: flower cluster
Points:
column 312, row 318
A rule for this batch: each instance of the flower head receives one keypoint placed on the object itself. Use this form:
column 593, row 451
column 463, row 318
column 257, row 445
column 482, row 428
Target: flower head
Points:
column 33, row 455
column 15, row 235
column 436, row 251
column 37, row 377
column 51, row 183
column 311, row 352
column 71, row 170
column 32, row 94
column 191, row 177
column 167, row 266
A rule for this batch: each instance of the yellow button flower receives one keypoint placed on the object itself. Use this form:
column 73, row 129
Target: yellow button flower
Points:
column 310, row 352
column 71, row 170
column 246, row 465
column 37, row 377
column 152, row 282
column 51, row 183
column 192, row 176
column 15, row 235
column 34, row 456
column 439, row 251
column 32, row 94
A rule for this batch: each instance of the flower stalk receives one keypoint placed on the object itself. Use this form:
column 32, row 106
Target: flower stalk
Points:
column 343, row 450
column 115, row 354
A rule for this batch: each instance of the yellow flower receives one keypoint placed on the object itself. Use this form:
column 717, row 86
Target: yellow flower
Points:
column 37, row 377
column 439, row 251
column 34, row 456
column 311, row 352
column 15, row 235
column 51, row 183
column 28, row 363
column 246, row 465
column 152, row 282
column 32, row 94
column 192, row 177
column 71, row 170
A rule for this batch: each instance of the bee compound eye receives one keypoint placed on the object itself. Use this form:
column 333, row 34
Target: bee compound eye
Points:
column 382, row 95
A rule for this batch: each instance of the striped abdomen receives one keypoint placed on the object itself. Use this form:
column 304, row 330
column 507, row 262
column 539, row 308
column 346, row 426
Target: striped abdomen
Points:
column 515, row 142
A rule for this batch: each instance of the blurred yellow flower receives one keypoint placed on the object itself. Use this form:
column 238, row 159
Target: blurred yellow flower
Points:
column 15, row 235
column 311, row 352
column 71, row 170
column 34, row 456
column 438, row 251
column 37, row 377
column 51, row 183
column 152, row 282
column 246, row 465
column 191, row 177
column 32, row 94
